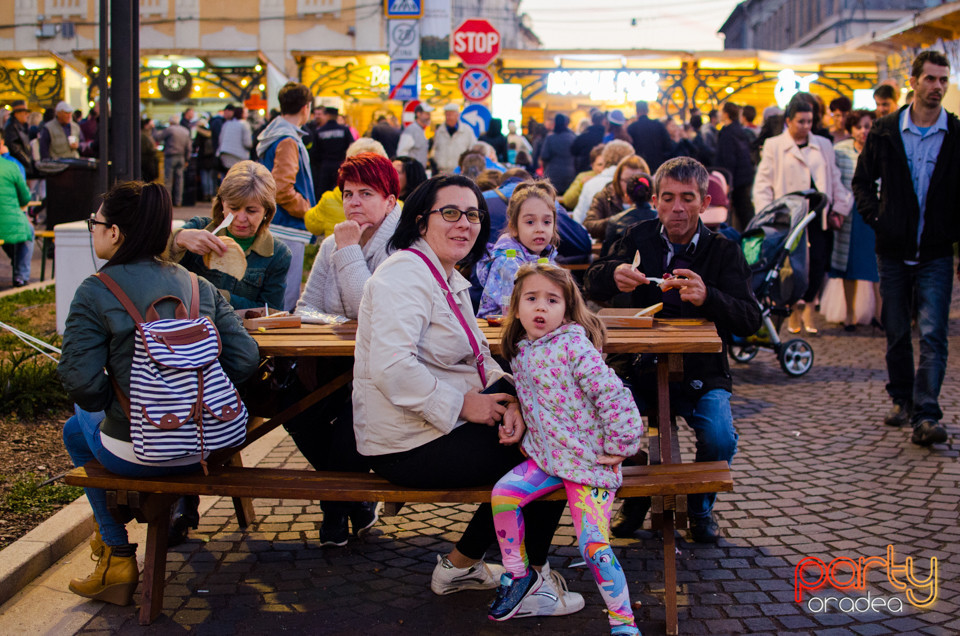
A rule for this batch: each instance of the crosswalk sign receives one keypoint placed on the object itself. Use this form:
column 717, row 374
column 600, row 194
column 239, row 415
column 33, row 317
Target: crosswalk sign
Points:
column 403, row 8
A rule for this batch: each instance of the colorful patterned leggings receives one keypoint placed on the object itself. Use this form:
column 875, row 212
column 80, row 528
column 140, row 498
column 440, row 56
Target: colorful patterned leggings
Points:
column 590, row 509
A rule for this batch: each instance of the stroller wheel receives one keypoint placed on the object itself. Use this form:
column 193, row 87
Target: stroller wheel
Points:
column 796, row 357
column 743, row 353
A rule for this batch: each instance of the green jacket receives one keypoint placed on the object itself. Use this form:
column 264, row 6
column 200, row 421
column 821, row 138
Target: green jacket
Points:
column 99, row 335
column 14, row 194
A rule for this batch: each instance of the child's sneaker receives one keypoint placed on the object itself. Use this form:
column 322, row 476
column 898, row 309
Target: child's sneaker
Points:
column 448, row 579
column 512, row 592
column 552, row 599
column 625, row 630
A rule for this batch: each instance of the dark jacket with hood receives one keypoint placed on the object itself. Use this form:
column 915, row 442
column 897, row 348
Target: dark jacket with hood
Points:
column 733, row 153
column 730, row 302
column 895, row 214
column 495, row 137
column 584, row 143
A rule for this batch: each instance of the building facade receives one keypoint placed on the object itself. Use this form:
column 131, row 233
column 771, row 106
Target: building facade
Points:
column 776, row 25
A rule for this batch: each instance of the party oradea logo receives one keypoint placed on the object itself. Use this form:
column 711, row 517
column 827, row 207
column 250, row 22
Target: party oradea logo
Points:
column 848, row 574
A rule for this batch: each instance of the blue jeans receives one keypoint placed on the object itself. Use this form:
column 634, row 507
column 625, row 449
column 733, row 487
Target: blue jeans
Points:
column 81, row 436
column 931, row 284
column 208, row 183
column 711, row 419
column 20, row 255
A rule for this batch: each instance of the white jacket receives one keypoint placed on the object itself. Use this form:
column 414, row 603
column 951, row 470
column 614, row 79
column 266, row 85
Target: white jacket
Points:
column 591, row 189
column 413, row 362
column 447, row 149
column 413, row 143
column 785, row 168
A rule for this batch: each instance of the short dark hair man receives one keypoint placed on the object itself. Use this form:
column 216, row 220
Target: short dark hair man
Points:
column 330, row 142
column 914, row 154
column 885, row 97
column 712, row 281
column 733, row 153
column 587, row 140
column 650, row 138
column 281, row 150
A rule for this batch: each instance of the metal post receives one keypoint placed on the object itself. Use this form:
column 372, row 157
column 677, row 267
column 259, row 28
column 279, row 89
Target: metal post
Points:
column 125, row 89
column 103, row 175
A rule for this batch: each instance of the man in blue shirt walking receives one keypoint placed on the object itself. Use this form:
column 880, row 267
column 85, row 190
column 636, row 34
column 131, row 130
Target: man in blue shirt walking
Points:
column 914, row 153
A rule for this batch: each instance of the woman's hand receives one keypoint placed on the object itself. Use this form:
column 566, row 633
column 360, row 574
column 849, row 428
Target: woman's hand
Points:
column 200, row 242
column 348, row 233
column 512, row 427
column 484, row 408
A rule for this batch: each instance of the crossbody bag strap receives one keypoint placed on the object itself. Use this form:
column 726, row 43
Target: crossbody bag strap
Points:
column 456, row 312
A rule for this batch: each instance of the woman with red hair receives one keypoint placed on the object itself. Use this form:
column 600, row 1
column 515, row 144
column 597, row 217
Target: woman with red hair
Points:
column 324, row 432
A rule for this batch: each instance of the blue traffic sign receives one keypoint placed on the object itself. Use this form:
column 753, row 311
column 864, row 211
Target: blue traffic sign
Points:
column 477, row 116
column 403, row 8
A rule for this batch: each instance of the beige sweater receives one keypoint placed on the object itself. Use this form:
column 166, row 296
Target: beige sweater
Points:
column 413, row 362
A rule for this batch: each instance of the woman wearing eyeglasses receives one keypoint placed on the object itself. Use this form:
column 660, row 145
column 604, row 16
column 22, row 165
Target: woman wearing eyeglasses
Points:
column 130, row 232
column 421, row 363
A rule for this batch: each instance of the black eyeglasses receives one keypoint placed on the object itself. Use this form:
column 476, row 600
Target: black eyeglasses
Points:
column 92, row 220
column 452, row 214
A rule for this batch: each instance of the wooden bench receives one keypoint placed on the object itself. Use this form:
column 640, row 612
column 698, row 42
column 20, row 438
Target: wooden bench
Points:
column 149, row 500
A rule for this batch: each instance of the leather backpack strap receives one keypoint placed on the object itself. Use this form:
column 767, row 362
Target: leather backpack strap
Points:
column 114, row 288
column 194, row 297
column 456, row 312
column 121, row 296
column 502, row 195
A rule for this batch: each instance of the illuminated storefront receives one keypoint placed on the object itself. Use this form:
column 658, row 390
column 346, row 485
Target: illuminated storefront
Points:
column 558, row 81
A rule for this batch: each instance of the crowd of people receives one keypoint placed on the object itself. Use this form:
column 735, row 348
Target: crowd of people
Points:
column 415, row 259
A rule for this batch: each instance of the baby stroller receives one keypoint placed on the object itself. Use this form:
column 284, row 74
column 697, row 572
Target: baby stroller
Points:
column 774, row 244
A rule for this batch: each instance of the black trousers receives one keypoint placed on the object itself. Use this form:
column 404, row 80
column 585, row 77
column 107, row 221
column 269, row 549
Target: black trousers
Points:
column 324, row 432
column 821, row 246
column 469, row 456
column 742, row 200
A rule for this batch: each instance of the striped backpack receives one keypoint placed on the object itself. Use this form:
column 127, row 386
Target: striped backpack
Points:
column 181, row 402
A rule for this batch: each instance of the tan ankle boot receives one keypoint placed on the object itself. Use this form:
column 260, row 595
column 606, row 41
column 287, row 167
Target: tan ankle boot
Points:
column 114, row 579
column 96, row 546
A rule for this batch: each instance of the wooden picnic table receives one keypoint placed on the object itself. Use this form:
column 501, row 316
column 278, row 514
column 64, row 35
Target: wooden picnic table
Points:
column 669, row 338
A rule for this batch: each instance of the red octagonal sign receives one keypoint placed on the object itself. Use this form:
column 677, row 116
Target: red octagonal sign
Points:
column 476, row 42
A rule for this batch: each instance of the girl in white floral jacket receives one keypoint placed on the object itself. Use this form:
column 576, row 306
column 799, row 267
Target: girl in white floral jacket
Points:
column 581, row 424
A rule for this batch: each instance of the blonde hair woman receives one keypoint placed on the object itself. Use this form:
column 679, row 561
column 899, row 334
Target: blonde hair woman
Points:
column 249, row 193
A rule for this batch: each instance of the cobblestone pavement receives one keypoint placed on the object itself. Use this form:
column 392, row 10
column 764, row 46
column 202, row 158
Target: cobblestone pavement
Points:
column 818, row 474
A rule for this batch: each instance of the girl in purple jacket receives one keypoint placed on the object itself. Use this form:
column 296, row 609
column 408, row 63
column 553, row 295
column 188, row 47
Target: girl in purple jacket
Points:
column 581, row 424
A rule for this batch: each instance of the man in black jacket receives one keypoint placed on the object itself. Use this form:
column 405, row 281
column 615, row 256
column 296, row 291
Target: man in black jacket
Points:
column 650, row 138
column 711, row 280
column 586, row 141
column 914, row 153
column 17, row 138
column 733, row 153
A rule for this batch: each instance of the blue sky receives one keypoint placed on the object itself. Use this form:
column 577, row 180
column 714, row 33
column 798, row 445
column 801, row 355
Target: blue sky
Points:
column 660, row 24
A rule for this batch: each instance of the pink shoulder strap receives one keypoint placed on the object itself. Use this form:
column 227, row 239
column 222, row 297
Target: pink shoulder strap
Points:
column 456, row 312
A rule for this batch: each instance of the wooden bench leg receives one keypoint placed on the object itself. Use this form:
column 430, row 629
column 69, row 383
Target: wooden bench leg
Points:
column 242, row 505
column 154, row 510
column 670, row 573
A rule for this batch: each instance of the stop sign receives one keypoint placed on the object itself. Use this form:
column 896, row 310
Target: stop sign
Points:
column 476, row 42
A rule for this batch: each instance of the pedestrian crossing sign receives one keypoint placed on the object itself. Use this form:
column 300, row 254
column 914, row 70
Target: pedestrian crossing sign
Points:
column 403, row 8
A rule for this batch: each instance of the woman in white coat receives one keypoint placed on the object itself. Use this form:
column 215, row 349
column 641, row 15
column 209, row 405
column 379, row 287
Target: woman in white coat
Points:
column 799, row 160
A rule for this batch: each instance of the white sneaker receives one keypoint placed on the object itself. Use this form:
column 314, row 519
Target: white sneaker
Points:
column 552, row 599
column 448, row 579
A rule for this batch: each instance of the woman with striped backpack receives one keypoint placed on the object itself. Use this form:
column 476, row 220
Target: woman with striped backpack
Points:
column 158, row 352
